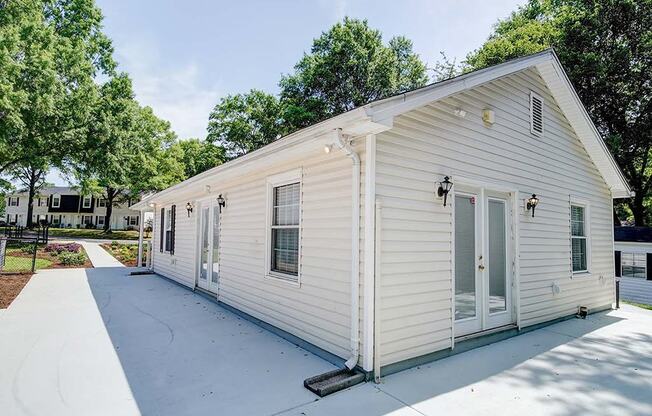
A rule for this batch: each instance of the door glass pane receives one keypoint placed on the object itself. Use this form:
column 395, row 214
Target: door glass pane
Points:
column 216, row 239
column 203, row 273
column 465, row 299
column 497, row 257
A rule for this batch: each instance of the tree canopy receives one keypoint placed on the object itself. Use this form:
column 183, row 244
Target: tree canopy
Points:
column 606, row 48
column 348, row 66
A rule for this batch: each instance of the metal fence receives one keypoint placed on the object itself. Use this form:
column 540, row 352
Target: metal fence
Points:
column 18, row 255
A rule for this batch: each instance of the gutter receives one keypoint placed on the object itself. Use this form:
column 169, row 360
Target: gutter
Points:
column 345, row 145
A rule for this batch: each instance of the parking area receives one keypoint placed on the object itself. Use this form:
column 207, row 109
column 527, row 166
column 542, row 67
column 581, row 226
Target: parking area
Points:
column 101, row 342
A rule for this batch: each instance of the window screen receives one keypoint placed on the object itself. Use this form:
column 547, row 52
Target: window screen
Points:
column 578, row 238
column 285, row 230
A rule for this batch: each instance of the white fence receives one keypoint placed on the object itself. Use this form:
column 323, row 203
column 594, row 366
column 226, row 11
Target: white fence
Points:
column 636, row 290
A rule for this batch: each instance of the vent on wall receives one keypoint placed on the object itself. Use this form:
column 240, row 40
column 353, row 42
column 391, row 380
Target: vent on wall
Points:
column 536, row 114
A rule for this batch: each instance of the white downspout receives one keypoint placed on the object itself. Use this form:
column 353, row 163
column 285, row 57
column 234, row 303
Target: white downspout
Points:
column 345, row 145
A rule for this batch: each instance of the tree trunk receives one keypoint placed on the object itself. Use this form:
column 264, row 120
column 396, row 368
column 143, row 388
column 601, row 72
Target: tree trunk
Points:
column 33, row 179
column 110, row 195
column 638, row 209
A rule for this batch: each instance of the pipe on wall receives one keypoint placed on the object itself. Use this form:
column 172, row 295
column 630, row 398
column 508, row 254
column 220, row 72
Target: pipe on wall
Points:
column 345, row 145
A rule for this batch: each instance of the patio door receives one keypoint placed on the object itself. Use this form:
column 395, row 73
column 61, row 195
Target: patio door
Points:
column 482, row 261
column 209, row 237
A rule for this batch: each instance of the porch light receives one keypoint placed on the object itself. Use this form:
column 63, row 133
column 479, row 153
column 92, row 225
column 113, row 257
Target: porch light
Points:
column 189, row 208
column 532, row 203
column 444, row 187
column 221, row 201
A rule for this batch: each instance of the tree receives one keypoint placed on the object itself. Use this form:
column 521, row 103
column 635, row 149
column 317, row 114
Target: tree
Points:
column 244, row 122
column 50, row 53
column 606, row 48
column 197, row 156
column 348, row 66
column 32, row 176
column 123, row 153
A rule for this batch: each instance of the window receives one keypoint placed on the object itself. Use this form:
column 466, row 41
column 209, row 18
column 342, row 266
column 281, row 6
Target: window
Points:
column 579, row 239
column 87, row 219
column 56, row 201
column 284, row 227
column 133, row 220
column 168, row 229
column 101, row 202
column 100, row 220
column 13, row 201
column 536, row 114
column 55, row 221
column 87, row 202
column 633, row 265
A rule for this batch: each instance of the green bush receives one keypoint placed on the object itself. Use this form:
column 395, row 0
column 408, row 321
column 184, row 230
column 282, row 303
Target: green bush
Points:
column 72, row 259
column 28, row 248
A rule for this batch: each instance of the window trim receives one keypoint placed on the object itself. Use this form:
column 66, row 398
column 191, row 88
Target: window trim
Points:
column 587, row 234
column 13, row 199
column 90, row 202
column 58, row 199
column 133, row 217
column 536, row 96
column 167, row 227
column 100, row 218
column 633, row 253
column 274, row 181
column 101, row 203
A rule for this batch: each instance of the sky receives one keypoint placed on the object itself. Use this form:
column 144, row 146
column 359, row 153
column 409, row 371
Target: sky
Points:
column 184, row 55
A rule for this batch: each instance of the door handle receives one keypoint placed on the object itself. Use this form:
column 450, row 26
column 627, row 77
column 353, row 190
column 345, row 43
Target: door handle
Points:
column 481, row 267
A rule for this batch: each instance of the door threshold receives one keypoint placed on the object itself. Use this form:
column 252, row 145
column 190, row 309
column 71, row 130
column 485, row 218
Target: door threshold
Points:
column 486, row 332
column 205, row 291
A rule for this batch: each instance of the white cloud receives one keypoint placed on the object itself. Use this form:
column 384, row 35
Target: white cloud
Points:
column 175, row 92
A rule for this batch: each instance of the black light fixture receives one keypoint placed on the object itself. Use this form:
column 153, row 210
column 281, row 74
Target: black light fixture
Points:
column 221, row 201
column 189, row 208
column 126, row 218
column 532, row 203
column 444, row 187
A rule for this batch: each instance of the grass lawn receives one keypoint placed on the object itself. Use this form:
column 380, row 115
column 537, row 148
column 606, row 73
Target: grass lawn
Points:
column 640, row 305
column 126, row 254
column 90, row 233
column 21, row 263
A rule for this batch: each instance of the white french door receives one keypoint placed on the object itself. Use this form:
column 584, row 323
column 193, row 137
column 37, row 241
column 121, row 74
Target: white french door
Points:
column 209, row 237
column 483, row 260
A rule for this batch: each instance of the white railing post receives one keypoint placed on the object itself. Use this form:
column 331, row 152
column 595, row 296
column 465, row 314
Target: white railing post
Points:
column 141, row 229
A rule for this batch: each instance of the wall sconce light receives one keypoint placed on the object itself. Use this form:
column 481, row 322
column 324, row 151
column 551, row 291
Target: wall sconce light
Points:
column 488, row 116
column 444, row 187
column 532, row 203
column 189, row 208
column 221, row 201
column 126, row 218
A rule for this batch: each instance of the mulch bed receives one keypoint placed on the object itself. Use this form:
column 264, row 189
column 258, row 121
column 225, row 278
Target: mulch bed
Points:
column 10, row 287
column 118, row 256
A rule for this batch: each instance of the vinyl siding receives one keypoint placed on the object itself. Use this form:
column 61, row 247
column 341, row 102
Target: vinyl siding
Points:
column 319, row 310
column 429, row 142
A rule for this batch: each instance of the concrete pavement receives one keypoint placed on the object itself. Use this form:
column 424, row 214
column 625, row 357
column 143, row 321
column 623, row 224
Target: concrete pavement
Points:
column 100, row 342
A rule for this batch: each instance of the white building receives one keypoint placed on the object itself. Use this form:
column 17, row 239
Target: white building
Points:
column 64, row 207
column 337, row 234
column 633, row 256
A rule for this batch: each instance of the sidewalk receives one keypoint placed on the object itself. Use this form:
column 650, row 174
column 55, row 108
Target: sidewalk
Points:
column 98, row 256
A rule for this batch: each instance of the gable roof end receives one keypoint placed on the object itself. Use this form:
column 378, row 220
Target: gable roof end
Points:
column 548, row 65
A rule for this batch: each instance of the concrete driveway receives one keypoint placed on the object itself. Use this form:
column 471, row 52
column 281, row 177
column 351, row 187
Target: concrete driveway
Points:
column 99, row 342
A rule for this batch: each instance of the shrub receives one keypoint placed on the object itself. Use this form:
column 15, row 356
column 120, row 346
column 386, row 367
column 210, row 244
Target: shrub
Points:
column 28, row 248
column 58, row 248
column 68, row 258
